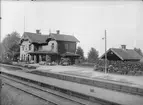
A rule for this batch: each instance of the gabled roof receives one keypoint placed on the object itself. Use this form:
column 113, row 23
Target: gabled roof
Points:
column 62, row 37
column 40, row 38
column 127, row 54
column 36, row 38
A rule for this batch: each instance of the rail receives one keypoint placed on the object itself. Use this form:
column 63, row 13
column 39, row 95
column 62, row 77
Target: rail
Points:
column 65, row 91
column 101, row 83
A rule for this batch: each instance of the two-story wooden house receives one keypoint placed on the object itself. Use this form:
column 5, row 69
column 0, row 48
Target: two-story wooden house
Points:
column 38, row 47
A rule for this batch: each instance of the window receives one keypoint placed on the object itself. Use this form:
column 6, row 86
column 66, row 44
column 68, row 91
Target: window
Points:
column 23, row 47
column 40, row 48
column 52, row 46
column 28, row 57
column 22, row 57
column 29, row 47
column 26, row 48
column 66, row 46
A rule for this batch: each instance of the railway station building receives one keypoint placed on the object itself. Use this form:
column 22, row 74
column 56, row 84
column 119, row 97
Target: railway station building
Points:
column 38, row 47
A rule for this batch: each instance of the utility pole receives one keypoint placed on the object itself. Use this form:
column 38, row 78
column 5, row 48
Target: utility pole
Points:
column 0, row 29
column 24, row 19
column 49, row 31
column 24, row 23
column 105, row 53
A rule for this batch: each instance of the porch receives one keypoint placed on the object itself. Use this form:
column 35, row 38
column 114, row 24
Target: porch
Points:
column 71, row 56
column 45, row 56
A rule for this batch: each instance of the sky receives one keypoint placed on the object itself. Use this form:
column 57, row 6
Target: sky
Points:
column 86, row 20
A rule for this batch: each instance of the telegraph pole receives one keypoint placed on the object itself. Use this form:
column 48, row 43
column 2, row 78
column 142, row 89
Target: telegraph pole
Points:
column 0, row 26
column 24, row 23
column 24, row 19
column 105, row 53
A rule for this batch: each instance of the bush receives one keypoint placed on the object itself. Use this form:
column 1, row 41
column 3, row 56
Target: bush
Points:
column 121, row 67
column 65, row 61
column 138, row 73
column 119, row 72
column 131, row 73
column 32, row 61
column 42, row 63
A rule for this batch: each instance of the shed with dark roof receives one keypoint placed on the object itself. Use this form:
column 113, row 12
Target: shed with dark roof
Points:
column 122, row 54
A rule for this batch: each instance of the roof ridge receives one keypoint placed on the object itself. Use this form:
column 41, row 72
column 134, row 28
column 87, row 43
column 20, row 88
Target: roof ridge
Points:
column 37, row 34
column 122, row 49
column 62, row 34
column 41, row 37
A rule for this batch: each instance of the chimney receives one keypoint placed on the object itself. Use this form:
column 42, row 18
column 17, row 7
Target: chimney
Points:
column 38, row 32
column 58, row 31
column 123, row 47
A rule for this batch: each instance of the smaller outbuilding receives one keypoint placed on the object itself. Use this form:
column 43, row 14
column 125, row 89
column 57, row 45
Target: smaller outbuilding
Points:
column 122, row 54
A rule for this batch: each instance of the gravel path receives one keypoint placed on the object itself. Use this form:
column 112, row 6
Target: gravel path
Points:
column 88, row 72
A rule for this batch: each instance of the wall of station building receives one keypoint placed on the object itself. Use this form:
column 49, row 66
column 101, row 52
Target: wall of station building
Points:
column 52, row 46
column 25, row 48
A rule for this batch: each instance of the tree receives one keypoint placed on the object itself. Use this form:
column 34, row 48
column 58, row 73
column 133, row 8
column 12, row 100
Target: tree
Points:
column 80, row 52
column 92, row 55
column 11, row 46
column 139, row 51
column 1, row 51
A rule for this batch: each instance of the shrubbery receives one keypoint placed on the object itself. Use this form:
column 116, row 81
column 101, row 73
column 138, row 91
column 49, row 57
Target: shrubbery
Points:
column 121, row 67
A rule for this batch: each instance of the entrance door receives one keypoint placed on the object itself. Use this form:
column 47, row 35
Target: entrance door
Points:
column 37, row 56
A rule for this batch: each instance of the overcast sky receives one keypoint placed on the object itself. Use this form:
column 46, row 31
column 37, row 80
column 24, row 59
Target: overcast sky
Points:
column 85, row 20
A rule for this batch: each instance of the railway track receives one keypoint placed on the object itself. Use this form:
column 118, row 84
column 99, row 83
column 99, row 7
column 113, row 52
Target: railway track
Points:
column 55, row 98
column 63, row 95
column 28, row 92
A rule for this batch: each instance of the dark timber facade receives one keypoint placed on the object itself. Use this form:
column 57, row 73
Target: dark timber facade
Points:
column 122, row 54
